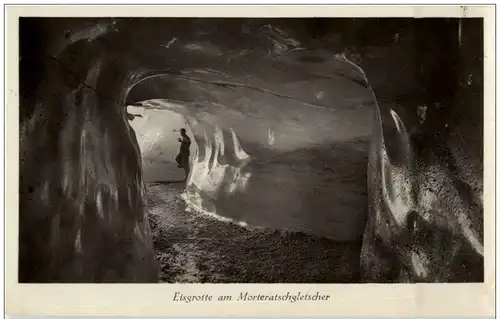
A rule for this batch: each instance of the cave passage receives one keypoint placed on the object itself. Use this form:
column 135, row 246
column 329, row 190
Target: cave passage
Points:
column 230, row 207
column 157, row 131
column 323, row 150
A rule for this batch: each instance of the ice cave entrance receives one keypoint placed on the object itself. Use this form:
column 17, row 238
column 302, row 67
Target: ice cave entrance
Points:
column 157, row 131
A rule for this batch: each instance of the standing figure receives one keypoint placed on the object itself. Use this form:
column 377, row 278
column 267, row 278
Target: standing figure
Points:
column 182, row 158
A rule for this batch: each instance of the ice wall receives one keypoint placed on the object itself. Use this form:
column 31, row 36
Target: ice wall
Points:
column 425, row 171
column 83, row 206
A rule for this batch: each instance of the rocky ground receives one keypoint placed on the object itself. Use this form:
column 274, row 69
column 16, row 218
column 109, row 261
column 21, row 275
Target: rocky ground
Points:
column 194, row 248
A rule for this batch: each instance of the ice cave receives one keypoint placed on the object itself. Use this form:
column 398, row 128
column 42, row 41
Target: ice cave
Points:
column 324, row 150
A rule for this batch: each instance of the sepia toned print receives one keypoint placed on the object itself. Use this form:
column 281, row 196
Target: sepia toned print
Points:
column 301, row 197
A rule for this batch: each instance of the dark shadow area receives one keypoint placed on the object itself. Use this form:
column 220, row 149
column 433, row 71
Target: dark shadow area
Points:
column 166, row 182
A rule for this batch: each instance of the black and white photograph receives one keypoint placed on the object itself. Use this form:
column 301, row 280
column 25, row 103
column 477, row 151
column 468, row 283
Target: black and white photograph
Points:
column 271, row 150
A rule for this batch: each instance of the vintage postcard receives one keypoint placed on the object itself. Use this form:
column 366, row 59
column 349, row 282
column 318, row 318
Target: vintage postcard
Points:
column 250, row 160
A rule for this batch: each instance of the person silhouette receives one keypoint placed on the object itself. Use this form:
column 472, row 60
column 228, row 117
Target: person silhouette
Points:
column 182, row 158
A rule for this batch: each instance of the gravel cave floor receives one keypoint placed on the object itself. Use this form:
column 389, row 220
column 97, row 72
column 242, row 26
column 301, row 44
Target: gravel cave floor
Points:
column 194, row 248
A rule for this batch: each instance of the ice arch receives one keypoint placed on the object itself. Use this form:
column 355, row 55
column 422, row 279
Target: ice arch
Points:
column 274, row 113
